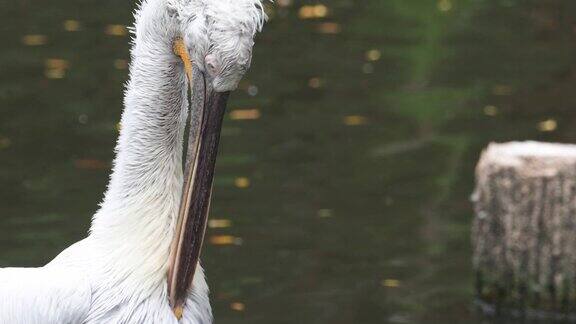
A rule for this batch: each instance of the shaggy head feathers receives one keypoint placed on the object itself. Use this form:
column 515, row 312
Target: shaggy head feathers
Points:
column 222, row 31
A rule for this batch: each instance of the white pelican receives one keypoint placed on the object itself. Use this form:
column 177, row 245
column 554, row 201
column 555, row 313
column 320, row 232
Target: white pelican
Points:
column 138, row 264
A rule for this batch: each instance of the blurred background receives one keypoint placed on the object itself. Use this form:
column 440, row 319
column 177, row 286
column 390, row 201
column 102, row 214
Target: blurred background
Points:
column 343, row 184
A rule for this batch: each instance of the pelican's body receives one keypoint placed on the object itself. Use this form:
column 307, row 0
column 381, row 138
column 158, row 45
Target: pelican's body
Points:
column 80, row 286
column 118, row 274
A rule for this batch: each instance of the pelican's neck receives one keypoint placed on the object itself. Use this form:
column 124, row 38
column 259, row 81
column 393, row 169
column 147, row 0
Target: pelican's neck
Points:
column 137, row 218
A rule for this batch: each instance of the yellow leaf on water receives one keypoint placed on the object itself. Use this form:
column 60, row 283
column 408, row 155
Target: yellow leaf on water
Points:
column 373, row 55
column 320, row 10
column 444, row 5
column 72, row 25
column 237, row 306
column 549, row 125
column 219, row 223
column 355, row 120
column 55, row 73
column 328, row 28
column 242, row 182
column 311, row 12
column 116, row 30
column 34, row 40
column 225, row 240
column 391, row 283
column 55, row 68
column 55, row 63
column 245, row 114
column 491, row 110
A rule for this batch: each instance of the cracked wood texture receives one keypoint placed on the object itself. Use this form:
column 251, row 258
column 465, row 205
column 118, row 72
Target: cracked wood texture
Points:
column 524, row 230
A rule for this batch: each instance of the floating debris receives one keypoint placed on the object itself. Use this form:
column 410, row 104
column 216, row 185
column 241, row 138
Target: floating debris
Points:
column 225, row 240
column 242, row 182
column 315, row 83
column 444, row 5
column 34, row 40
column 55, row 68
column 219, row 223
column 355, row 120
column 54, row 63
column 55, row 74
column 116, row 30
column 245, row 114
column 120, row 64
column 549, row 125
column 373, row 55
column 72, row 25
column 325, row 213
column 237, row 306
column 328, row 28
column 391, row 283
column 491, row 111
column 311, row 12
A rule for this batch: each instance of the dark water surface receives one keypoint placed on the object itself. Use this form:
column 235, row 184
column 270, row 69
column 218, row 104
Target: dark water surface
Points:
column 346, row 201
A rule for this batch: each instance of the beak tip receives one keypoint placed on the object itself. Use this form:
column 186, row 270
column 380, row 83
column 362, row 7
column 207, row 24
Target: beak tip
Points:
column 178, row 311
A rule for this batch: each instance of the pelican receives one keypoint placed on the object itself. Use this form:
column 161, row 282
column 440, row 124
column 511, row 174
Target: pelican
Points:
column 139, row 263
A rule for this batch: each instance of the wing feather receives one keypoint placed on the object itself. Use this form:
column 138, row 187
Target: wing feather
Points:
column 58, row 295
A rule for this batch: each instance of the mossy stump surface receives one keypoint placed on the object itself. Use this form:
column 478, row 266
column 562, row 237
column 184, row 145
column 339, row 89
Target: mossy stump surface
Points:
column 524, row 230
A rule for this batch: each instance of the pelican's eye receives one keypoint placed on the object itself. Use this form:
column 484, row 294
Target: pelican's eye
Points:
column 212, row 64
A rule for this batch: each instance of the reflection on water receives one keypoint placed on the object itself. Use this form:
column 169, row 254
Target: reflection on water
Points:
column 342, row 189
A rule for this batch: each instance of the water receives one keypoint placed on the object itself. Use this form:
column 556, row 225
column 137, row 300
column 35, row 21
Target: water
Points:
column 359, row 168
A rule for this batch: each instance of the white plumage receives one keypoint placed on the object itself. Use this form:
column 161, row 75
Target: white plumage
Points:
column 118, row 273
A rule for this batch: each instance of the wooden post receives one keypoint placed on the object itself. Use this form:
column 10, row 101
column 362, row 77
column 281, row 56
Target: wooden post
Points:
column 524, row 230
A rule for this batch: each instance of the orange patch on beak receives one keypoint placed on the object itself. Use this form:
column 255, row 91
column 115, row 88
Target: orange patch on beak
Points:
column 181, row 50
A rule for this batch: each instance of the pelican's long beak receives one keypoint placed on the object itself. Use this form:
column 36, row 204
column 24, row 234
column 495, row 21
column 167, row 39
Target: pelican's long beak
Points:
column 207, row 109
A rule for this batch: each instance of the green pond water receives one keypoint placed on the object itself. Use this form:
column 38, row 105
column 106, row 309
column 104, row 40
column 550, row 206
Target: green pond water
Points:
column 349, row 196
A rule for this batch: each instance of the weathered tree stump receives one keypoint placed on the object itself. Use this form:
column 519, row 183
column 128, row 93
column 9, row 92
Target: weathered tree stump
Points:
column 524, row 231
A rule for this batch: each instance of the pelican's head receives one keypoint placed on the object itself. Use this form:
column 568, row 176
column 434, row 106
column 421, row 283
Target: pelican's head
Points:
column 219, row 35
column 215, row 47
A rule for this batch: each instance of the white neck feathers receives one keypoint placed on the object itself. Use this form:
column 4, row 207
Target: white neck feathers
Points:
column 135, row 224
